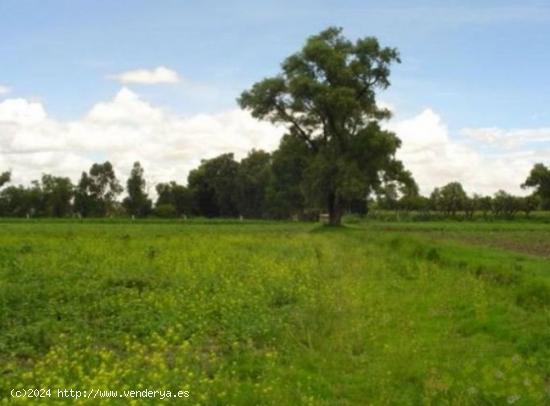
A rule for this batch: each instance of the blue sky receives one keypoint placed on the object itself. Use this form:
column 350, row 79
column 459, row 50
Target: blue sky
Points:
column 476, row 64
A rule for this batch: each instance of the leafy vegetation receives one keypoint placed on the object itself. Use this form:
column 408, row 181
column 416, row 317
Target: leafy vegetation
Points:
column 326, row 96
column 277, row 313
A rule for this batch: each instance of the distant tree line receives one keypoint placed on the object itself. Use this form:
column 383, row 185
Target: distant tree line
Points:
column 451, row 200
column 261, row 186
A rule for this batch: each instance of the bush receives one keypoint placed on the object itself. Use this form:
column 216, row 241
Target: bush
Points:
column 165, row 211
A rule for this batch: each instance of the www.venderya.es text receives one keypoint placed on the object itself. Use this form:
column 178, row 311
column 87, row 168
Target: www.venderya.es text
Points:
column 96, row 393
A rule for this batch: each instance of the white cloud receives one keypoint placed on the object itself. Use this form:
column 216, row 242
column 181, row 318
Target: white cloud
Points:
column 127, row 129
column 123, row 130
column 160, row 74
column 4, row 90
column 126, row 107
column 21, row 111
column 435, row 158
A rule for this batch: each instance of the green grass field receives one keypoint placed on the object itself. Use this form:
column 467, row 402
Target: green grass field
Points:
column 278, row 313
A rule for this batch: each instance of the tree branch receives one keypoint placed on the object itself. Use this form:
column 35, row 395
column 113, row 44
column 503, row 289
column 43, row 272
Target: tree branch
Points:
column 368, row 85
column 305, row 136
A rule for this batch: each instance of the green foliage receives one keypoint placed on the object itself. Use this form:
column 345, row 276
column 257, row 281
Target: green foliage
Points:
column 273, row 313
column 253, row 177
column 483, row 203
column 325, row 94
column 165, row 210
column 529, row 203
column 449, row 199
column 5, row 177
column 539, row 178
column 284, row 193
column 213, row 186
column 19, row 201
column 506, row 205
column 96, row 191
column 173, row 195
column 137, row 203
column 57, row 193
column 50, row 197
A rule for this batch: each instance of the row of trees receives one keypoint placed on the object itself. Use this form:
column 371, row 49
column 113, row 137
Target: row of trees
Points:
column 262, row 185
column 451, row 200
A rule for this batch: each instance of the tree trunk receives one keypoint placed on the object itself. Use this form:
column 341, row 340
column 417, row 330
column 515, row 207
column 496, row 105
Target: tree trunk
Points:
column 334, row 210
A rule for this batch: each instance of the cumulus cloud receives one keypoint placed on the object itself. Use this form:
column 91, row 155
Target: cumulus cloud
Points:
column 435, row 158
column 127, row 128
column 158, row 75
column 123, row 130
column 21, row 111
column 4, row 90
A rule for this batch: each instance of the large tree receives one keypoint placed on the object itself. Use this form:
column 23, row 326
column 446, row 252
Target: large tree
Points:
column 214, row 187
column 539, row 178
column 325, row 95
column 57, row 194
column 450, row 199
column 97, row 190
column 137, row 203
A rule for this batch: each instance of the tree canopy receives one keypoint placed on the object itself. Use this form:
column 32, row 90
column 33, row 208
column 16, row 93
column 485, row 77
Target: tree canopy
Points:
column 97, row 190
column 539, row 178
column 450, row 198
column 137, row 203
column 326, row 96
column 261, row 185
column 213, row 185
column 173, row 199
column 253, row 177
column 5, row 177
